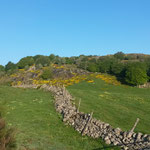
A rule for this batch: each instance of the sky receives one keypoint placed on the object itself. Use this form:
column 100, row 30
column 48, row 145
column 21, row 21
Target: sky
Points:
column 73, row 27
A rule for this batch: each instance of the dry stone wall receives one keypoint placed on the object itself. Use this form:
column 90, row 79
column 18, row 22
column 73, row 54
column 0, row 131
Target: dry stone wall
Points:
column 87, row 125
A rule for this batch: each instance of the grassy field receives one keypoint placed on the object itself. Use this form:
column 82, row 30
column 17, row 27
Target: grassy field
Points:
column 116, row 105
column 38, row 125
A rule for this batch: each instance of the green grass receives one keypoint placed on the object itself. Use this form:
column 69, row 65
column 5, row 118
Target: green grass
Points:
column 116, row 105
column 38, row 125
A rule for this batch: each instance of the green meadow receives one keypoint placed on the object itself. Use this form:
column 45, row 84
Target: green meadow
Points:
column 119, row 106
column 38, row 126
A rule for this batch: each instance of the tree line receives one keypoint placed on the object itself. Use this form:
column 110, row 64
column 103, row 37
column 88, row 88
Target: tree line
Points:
column 132, row 69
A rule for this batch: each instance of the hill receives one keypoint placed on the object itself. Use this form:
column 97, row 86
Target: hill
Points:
column 107, row 85
column 123, row 66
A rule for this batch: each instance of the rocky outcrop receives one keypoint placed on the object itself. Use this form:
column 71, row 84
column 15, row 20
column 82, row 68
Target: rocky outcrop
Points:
column 87, row 125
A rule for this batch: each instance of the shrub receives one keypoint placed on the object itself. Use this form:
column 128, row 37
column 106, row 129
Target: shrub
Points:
column 117, row 68
column 83, row 65
column 70, row 60
column 26, row 61
column 92, row 67
column 136, row 74
column 36, row 57
column 105, row 63
column 52, row 57
column 2, row 70
column 148, row 73
column 119, row 55
column 104, row 67
column 43, row 60
column 5, row 80
column 57, row 60
column 7, row 140
column 10, row 67
column 47, row 74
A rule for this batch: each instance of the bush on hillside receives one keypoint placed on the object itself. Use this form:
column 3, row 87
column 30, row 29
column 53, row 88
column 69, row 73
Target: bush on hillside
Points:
column 105, row 64
column 52, row 57
column 47, row 74
column 119, row 55
column 83, row 65
column 36, row 57
column 104, row 67
column 117, row 68
column 92, row 67
column 25, row 62
column 148, row 73
column 136, row 74
column 2, row 70
column 70, row 60
column 58, row 60
column 42, row 60
column 10, row 67
column 7, row 140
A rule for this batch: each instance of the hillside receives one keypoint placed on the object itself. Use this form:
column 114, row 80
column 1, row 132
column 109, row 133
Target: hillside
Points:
column 38, row 126
column 130, row 69
column 106, row 85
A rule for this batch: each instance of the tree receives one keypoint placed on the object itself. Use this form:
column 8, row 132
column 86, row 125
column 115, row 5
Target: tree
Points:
column 62, row 60
column 83, row 65
column 117, row 68
column 105, row 64
column 136, row 74
column 43, row 60
column 10, row 67
column 2, row 68
column 104, row 67
column 119, row 55
column 36, row 57
column 26, row 61
column 70, row 60
column 148, row 69
column 47, row 74
column 93, row 60
column 52, row 57
column 92, row 67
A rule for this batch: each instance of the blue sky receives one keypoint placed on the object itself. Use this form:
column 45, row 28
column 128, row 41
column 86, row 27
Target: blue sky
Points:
column 73, row 27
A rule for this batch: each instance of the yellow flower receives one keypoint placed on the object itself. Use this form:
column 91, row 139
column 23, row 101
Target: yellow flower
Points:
column 90, row 81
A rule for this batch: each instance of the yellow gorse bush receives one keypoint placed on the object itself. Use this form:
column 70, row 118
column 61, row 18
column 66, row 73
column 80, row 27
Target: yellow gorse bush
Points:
column 60, row 81
column 90, row 81
column 108, row 79
column 89, row 78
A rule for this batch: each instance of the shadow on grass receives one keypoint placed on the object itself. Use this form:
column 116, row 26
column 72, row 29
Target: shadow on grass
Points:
column 107, row 147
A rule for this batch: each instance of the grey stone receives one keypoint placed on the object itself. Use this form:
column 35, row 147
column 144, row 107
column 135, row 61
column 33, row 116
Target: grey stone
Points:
column 115, row 143
column 139, row 135
column 117, row 131
column 148, row 138
column 108, row 141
